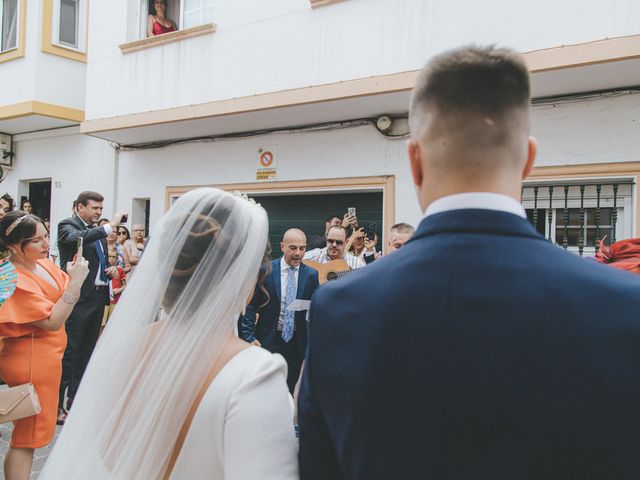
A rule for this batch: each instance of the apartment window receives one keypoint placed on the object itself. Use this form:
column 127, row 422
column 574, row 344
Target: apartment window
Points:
column 69, row 24
column 8, row 25
column 576, row 216
column 196, row 12
column 184, row 13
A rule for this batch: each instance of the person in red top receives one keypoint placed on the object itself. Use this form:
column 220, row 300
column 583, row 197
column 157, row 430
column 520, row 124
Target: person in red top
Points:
column 116, row 286
column 624, row 254
column 159, row 24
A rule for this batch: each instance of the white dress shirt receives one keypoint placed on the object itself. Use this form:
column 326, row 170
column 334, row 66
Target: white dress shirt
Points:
column 476, row 200
column 320, row 255
column 284, row 275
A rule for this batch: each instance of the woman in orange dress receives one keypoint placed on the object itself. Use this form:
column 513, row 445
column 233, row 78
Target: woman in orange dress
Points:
column 39, row 307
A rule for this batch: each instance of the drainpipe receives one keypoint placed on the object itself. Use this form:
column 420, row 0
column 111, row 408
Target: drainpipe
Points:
column 116, row 166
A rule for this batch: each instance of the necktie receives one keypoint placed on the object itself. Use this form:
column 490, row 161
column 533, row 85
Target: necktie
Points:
column 102, row 259
column 287, row 329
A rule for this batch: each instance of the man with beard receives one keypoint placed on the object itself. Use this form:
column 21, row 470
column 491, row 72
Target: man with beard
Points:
column 335, row 250
column 279, row 329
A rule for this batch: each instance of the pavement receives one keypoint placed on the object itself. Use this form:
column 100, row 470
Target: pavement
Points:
column 39, row 458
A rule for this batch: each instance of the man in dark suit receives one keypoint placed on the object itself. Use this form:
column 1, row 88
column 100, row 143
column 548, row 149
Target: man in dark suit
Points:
column 478, row 350
column 83, row 325
column 279, row 329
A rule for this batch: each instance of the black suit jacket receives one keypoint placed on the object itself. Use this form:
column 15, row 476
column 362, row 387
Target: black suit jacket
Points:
column 266, row 328
column 479, row 350
column 69, row 230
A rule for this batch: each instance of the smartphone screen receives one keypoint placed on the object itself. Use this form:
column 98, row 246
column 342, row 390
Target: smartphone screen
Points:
column 351, row 211
column 80, row 245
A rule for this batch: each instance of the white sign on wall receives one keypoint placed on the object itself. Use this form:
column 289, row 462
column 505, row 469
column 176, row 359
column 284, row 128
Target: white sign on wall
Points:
column 267, row 158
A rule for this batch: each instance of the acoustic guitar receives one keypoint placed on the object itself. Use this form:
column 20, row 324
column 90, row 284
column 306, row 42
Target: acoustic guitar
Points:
column 329, row 271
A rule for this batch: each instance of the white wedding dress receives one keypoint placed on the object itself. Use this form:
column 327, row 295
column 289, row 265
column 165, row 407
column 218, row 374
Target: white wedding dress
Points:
column 243, row 428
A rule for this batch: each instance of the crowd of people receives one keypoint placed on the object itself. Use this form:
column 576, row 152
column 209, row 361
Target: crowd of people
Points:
column 459, row 354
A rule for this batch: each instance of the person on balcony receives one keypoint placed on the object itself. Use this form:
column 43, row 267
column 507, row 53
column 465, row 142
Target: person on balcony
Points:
column 158, row 23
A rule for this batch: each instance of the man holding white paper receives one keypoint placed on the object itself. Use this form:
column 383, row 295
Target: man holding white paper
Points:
column 282, row 325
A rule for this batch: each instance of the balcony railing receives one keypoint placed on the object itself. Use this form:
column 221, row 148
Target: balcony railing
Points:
column 577, row 215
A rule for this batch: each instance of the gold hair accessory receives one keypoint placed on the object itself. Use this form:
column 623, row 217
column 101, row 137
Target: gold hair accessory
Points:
column 13, row 226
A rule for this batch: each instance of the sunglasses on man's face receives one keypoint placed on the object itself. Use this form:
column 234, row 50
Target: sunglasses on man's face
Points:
column 337, row 242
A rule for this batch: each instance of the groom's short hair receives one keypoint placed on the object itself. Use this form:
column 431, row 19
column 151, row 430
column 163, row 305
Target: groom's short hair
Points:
column 479, row 95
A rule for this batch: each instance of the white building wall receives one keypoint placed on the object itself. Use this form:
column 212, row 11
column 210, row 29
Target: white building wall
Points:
column 42, row 76
column 590, row 131
column 72, row 161
column 270, row 46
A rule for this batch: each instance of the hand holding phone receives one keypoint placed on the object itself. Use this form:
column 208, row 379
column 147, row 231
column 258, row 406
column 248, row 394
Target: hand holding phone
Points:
column 80, row 244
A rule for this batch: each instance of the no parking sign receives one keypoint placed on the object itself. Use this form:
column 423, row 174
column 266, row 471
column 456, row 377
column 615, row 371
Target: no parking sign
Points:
column 266, row 163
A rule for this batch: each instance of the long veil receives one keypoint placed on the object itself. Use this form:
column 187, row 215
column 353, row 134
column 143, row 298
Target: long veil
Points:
column 193, row 281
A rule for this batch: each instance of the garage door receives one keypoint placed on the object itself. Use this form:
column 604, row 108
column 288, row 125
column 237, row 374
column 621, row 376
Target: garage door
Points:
column 309, row 211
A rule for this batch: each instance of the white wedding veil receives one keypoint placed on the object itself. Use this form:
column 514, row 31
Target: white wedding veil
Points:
column 193, row 281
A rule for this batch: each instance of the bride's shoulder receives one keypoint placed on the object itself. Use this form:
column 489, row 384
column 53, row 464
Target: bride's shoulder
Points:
column 256, row 361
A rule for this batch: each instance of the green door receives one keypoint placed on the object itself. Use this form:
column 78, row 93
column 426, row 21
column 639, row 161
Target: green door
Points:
column 309, row 211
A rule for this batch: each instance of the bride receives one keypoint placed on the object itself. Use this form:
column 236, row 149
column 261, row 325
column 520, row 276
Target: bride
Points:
column 170, row 391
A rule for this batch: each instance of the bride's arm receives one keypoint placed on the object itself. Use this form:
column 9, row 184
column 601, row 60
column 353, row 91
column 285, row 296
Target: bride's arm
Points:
column 259, row 435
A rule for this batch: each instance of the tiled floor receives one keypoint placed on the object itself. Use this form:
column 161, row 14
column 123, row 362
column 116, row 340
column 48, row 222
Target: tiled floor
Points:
column 39, row 457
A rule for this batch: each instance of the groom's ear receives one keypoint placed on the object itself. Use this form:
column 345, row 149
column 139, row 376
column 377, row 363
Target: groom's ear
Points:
column 415, row 161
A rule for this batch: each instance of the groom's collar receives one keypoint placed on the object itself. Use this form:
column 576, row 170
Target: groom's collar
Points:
column 476, row 200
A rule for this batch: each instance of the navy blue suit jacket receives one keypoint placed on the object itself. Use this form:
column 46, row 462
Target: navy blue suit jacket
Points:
column 69, row 230
column 477, row 351
column 266, row 328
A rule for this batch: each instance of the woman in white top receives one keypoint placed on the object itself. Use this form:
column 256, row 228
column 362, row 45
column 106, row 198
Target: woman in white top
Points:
column 170, row 391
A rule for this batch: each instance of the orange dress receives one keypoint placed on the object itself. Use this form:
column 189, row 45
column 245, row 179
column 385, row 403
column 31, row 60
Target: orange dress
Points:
column 32, row 301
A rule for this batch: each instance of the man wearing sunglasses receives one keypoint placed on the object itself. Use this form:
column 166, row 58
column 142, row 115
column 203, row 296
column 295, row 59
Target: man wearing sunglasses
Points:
column 335, row 250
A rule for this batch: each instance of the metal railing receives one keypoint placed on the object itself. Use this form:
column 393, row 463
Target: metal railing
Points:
column 571, row 214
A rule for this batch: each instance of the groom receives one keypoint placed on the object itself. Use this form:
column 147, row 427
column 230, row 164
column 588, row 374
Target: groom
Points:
column 478, row 350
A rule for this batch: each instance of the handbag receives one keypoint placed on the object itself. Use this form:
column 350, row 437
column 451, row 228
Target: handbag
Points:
column 20, row 401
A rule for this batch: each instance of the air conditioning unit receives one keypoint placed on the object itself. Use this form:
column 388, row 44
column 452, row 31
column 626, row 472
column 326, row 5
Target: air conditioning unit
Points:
column 6, row 152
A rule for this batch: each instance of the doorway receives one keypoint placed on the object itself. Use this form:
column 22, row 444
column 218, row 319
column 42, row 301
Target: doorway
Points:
column 40, row 198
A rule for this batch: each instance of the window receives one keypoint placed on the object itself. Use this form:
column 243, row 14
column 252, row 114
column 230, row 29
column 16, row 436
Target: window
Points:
column 184, row 13
column 576, row 216
column 8, row 25
column 196, row 12
column 69, row 24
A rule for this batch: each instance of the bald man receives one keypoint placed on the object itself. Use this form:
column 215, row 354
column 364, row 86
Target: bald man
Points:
column 280, row 330
column 479, row 350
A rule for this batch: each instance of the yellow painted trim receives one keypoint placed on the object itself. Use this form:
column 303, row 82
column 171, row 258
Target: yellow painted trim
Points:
column 322, row 3
column 397, row 82
column 171, row 37
column 584, row 54
column 47, row 35
column 601, row 51
column 34, row 107
column 18, row 52
column 386, row 183
column 617, row 169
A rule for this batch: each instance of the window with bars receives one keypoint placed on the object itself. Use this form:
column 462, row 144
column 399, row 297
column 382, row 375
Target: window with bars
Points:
column 576, row 216
column 9, row 12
